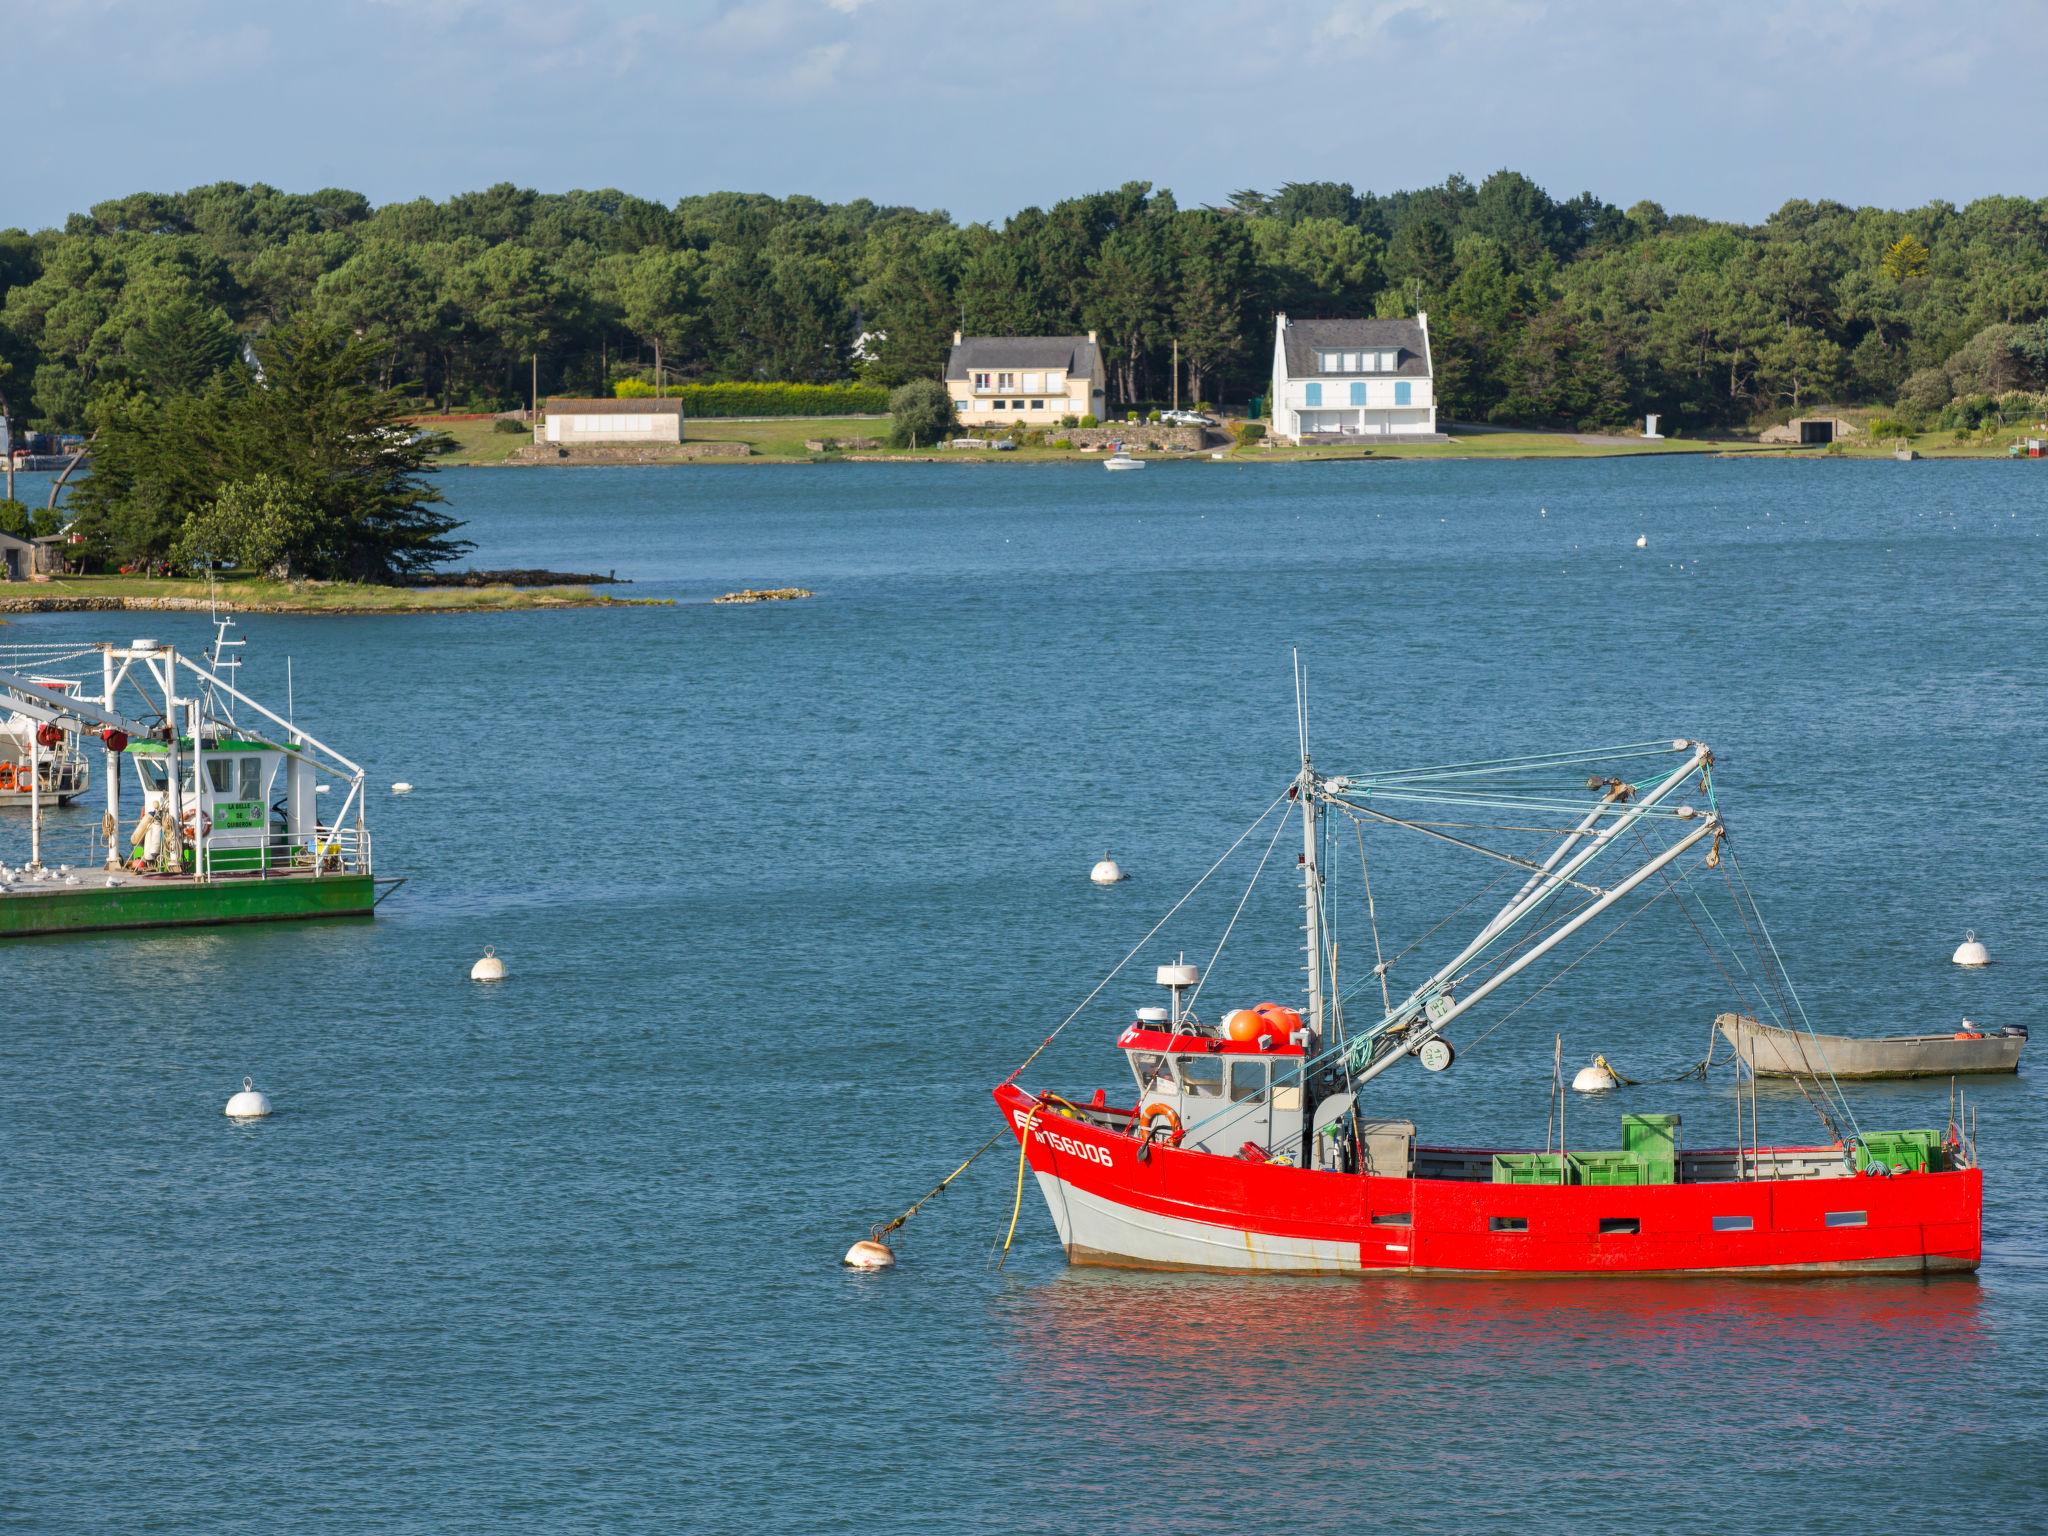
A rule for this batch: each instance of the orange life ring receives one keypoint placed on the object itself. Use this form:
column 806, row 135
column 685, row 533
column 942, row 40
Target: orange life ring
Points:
column 185, row 823
column 6, row 775
column 1152, row 1112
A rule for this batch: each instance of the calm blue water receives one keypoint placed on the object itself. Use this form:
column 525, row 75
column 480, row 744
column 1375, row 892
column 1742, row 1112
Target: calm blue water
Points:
column 785, row 889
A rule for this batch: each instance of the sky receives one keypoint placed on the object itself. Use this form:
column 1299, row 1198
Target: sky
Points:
column 1727, row 110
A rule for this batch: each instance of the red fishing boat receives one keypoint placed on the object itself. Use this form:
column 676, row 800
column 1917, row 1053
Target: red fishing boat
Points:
column 1247, row 1144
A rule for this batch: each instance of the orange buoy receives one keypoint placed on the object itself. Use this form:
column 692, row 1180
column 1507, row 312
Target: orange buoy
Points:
column 1243, row 1024
column 1285, row 1019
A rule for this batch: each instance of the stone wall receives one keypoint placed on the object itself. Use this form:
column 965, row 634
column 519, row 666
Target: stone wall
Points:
column 625, row 453
column 1151, row 436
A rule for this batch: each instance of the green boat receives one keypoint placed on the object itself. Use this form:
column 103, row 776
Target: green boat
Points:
column 230, row 822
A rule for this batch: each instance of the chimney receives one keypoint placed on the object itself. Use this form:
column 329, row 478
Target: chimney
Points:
column 956, row 338
column 1091, row 338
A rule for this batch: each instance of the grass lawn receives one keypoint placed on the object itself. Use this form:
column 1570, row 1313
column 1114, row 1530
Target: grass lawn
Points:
column 257, row 594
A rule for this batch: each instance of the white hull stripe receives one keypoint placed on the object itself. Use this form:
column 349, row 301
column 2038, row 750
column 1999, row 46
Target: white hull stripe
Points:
column 1092, row 1228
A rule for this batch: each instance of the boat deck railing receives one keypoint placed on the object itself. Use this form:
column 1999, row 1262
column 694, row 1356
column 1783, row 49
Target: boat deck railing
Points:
column 275, row 855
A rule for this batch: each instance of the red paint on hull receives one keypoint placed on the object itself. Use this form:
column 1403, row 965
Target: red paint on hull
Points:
column 1912, row 1223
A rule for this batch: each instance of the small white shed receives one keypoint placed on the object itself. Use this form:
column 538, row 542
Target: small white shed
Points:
column 570, row 422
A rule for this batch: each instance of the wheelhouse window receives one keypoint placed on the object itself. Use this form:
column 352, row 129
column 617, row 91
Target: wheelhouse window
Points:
column 155, row 775
column 1287, row 1082
column 221, row 773
column 1202, row 1076
column 1152, row 1070
column 251, row 771
column 1847, row 1218
column 1248, row 1081
column 1734, row 1223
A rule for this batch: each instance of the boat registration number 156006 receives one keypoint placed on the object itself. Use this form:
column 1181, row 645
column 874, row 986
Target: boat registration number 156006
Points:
column 1065, row 1144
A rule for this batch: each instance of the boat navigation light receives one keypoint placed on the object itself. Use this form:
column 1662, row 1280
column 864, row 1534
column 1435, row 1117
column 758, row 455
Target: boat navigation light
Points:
column 145, row 645
column 1179, row 977
column 1972, row 951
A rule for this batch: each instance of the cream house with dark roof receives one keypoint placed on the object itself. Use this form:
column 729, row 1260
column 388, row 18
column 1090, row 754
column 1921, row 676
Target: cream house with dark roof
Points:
column 996, row 380
column 1352, row 378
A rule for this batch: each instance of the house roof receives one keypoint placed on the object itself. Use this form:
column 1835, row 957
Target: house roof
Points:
column 1305, row 338
column 9, row 541
column 1076, row 354
column 565, row 406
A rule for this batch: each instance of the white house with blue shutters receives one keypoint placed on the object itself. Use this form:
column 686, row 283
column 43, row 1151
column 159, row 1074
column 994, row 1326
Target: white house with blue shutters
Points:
column 1352, row 378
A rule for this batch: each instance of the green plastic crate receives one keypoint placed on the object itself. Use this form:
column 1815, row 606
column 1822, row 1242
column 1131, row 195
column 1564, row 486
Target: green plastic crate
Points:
column 1608, row 1168
column 1917, row 1151
column 1654, row 1139
column 1531, row 1168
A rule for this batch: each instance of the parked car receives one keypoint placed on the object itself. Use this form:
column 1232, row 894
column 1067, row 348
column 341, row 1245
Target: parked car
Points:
column 1184, row 419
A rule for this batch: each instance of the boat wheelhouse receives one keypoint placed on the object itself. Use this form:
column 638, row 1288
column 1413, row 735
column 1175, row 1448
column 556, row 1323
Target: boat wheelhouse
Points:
column 1249, row 1143
column 227, row 822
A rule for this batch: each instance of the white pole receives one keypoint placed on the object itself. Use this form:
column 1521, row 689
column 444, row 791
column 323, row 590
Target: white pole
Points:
column 199, row 846
column 35, row 800
column 173, row 797
column 1441, row 1021
column 1312, row 891
column 113, row 765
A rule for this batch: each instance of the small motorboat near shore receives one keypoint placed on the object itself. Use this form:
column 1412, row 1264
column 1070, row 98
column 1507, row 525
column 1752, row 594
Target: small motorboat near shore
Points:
column 1122, row 460
column 1772, row 1052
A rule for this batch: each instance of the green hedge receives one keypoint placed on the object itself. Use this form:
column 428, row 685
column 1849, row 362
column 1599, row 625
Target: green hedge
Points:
column 712, row 400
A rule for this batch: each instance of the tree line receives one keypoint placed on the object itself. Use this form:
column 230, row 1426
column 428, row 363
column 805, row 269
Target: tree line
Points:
column 1545, row 311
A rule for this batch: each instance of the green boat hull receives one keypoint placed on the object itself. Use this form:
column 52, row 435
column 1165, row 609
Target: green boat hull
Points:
column 185, row 904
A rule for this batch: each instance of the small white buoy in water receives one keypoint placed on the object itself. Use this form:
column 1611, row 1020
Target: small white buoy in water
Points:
column 401, row 788
column 867, row 1254
column 1972, row 951
column 1642, row 541
column 490, row 968
column 1597, row 1078
column 248, row 1104
column 1106, row 872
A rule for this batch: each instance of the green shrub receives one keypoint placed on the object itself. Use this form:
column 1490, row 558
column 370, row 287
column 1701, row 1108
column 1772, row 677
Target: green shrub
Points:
column 1130, row 416
column 1249, row 432
column 1070, row 421
column 1090, row 421
column 715, row 400
column 1151, row 415
column 1062, row 442
column 510, row 427
column 1885, row 426
column 921, row 412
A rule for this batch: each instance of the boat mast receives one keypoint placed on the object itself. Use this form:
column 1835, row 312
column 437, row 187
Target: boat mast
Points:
column 1306, row 789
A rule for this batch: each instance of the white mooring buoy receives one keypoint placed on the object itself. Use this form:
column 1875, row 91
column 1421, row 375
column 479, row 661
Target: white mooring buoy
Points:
column 1106, row 871
column 867, row 1254
column 1597, row 1078
column 1642, row 541
column 401, row 788
column 490, row 968
column 248, row 1104
column 1972, row 951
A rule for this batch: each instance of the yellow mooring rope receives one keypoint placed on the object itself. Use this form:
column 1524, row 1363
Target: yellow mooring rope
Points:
column 1023, row 1147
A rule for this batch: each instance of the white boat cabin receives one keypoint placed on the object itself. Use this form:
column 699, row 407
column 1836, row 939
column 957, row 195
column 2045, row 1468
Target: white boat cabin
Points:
column 1223, row 1093
column 257, row 800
